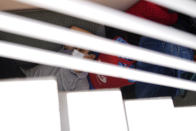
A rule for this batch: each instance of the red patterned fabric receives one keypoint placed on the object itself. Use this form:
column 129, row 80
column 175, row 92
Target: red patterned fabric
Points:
column 101, row 81
column 153, row 12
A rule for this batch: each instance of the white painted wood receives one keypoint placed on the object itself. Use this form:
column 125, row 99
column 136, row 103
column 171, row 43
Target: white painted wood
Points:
column 185, row 118
column 29, row 105
column 149, row 114
column 41, row 56
column 117, row 4
column 96, row 111
column 63, row 111
column 159, row 114
column 49, row 32
column 117, row 19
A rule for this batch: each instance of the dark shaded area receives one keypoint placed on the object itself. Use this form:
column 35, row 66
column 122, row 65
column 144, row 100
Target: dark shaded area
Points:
column 129, row 37
column 9, row 69
column 128, row 92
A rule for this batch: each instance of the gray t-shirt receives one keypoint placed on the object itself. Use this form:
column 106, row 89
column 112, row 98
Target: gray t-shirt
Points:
column 68, row 80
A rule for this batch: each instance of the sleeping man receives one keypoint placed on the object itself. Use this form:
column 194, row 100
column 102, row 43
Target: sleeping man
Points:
column 68, row 80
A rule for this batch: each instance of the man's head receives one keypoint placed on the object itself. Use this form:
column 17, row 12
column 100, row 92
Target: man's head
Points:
column 81, row 52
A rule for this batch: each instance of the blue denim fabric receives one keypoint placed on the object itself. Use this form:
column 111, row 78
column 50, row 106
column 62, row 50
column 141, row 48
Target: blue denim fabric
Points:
column 193, row 78
column 143, row 90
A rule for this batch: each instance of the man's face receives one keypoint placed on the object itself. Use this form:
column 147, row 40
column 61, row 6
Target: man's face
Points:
column 86, row 54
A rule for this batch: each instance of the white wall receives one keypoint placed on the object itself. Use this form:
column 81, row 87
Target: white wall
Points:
column 118, row 4
column 12, row 5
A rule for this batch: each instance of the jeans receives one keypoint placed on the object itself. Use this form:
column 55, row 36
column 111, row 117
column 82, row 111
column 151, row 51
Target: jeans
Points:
column 143, row 90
